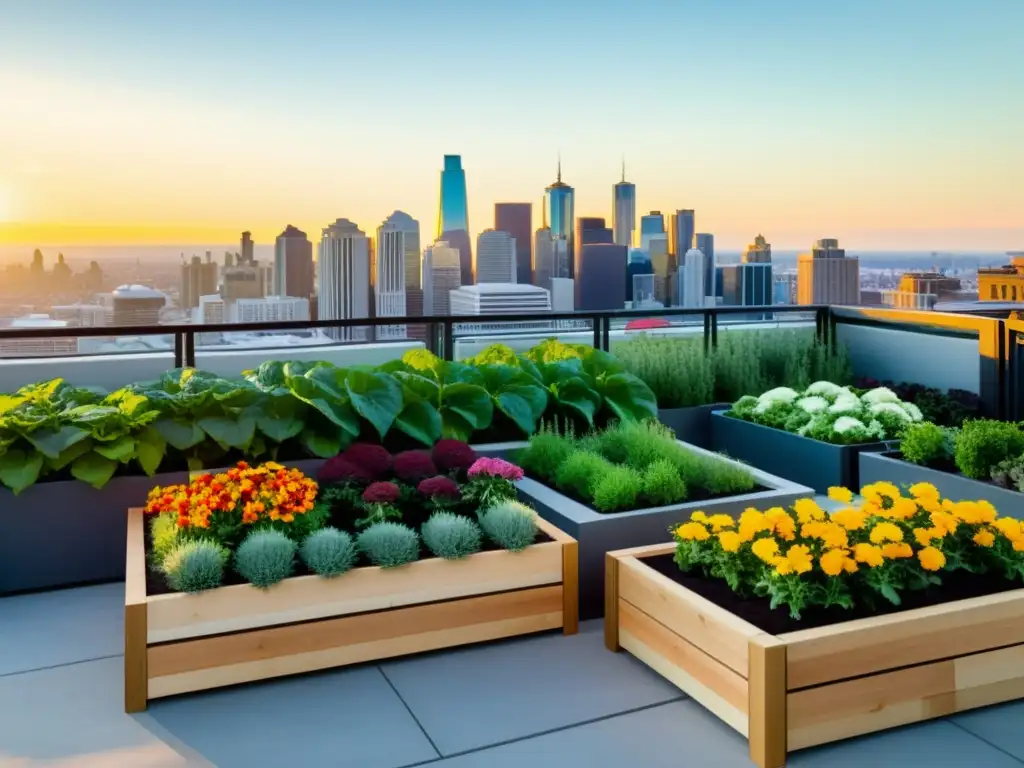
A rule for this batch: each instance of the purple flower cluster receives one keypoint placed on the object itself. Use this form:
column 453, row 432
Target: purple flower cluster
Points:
column 506, row 470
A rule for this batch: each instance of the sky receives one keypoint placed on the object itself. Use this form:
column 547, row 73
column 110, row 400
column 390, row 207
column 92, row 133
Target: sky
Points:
column 890, row 124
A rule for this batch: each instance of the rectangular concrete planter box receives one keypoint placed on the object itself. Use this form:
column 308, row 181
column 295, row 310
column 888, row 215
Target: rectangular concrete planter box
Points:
column 794, row 457
column 886, row 467
column 599, row 533
column 61, row 534
column 692, row 424
column 178, row 643
column 815, row 686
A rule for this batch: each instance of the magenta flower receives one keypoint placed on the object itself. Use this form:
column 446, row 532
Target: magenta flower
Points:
column 439, row 487
column 506, row 470
column 381, row 493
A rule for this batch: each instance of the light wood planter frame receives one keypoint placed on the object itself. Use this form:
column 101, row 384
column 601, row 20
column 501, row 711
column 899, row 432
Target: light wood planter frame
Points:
column 178, row 643
column 815, row 686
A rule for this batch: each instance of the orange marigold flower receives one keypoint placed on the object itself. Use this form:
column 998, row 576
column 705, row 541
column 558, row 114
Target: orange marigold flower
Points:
column 931, row 559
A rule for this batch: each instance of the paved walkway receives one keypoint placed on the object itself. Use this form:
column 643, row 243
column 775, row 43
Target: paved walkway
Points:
column 542, row 701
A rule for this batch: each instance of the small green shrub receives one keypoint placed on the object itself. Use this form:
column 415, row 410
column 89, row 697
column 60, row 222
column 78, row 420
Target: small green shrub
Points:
column 544, row 454
column 164, row 534
column 579, row 473
column 662, row 484
column 720, row 478
column 982, row 444
column 1010, row 473
column 617, row 490
column 510, row 524
column 637, row 444
column 451, row 536
column 924, row 443
column 328, row 552
column 195, row 565
column 265, row 558
column 389, row 545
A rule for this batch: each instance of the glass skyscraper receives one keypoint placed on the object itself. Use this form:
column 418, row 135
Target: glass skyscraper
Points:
column 453, row 211
column 559, row 213
column 651, row 225
column 624, row 210
column 680, row 232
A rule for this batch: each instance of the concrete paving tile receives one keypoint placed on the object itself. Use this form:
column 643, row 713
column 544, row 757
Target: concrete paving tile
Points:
column 483, row 695
column 999, row 725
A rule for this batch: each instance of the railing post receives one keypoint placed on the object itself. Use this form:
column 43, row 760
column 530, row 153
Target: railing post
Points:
column 606, row 334
column 179, row 350
column 714, row 330
column 598, row 336
column 707, row 330
column 448, row 344
column 189, row 355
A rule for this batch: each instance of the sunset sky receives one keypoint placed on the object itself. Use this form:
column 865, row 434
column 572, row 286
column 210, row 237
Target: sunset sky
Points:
column 886, row 123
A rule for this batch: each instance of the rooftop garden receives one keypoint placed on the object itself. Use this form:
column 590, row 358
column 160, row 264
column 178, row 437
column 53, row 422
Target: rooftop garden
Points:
column 982, row 449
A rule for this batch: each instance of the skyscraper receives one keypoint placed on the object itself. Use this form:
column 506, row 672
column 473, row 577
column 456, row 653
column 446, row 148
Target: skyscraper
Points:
column 517, row 220
column 601, row 283
column 590, row 230
column 344, row 279
column 651, row 225
column 639, row 264
column 198, row 278
column 690, row 289
column 293, row 264
column 661, row 267
column 748, row 285
column 559, row 213
column 827, row 275
column 495, row 257
column 680, row 232
column 706, row 245
column 247, row 252
column 550, row 258
column 453, row 210
column 398, row 260
column 759, row 252
column 442, row 273
column 624, row 210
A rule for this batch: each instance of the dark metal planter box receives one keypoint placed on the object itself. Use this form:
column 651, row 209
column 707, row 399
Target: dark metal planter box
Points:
column 599, row 533
column 692, row 424
column 794, row 457
column 875, row 467
column 60, row 534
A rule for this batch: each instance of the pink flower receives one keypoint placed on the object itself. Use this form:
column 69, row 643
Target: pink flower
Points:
column 381, row 493
column 496, row 468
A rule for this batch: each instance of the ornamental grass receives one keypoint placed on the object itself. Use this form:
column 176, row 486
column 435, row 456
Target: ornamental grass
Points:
column 864, row 553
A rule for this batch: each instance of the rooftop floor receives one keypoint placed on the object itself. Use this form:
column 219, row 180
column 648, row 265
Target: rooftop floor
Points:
column 541, row 701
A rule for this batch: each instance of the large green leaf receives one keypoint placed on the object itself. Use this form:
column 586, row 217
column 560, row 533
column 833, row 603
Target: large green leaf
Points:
column 327, row 395
column 465, row 406
column 93, row 469
column 420, row 421
column 69, row 454
column 234, row 432
column 150, row 449
column 628, row 397
column 122, row 449
column 19, row 470
column 516, row 394
column 597, row 362
column 178, row 433
column 50, row 442
column 324, row 438
column 377, row 397
column 277, row 423
column 570, row 388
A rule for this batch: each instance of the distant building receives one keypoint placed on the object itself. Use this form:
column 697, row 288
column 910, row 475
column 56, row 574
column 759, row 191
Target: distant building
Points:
column 563, row 294
column 500, row 299
column 397, row 266
column 559, row 217
column 44, row 347
column 83, row 315
column 245, row 280
column 624, row 210
column 923, row 290
column 827, row 275
column 1004, row 283
column 248, row 248
column 601, row 282
column 270, row 309
column 652, row 225
column 784, row 291
column 442, row 273
column 747, row 285
column 495, row 257
column 453, row 213
column 198, row 278
column 550, row 258
column 643, row 291
column 690, row 290
column 138, row 305
column 706, row 245
column 344, row 280
column 681, row 230
column 517, row 220
column 759, row 252
column 212, row 310
column 639, row 265
column 293, row 264
column 459, row 240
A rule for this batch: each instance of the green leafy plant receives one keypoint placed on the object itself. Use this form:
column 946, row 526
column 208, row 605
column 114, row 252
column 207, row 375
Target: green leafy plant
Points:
column 925, row 443
column 510, row 524
column 328, row 552
column 194, row 566
column 451, row 536
column 389, row 545
column 265, row 558
column 662, row 484
column 984, row 443
column 617, row 489
column 1010, row 473
column 163, row 531
column 579, row 473
column 545, row 452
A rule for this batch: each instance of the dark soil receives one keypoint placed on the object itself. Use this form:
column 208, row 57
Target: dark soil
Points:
column 957, row 585
column 949, row 467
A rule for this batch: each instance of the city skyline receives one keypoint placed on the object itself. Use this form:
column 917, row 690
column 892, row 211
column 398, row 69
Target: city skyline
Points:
column 124, row 140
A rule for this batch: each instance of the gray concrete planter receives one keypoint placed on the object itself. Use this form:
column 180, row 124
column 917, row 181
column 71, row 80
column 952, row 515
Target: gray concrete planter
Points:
column 599, row 533
column 692, row 424
column 59, row 534
column 887, row 467
column 794, row 457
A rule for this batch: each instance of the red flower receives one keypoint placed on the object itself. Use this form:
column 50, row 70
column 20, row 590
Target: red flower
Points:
column 381, row 493
column 440, row 486
column 414, row 465
column 450, row 455
column 375, row 459
column 341, row 470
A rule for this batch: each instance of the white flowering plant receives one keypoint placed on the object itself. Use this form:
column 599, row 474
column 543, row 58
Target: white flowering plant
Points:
column 831, row 413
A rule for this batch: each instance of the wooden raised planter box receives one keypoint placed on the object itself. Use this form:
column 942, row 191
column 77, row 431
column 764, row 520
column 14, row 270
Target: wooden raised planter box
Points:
column 814, row 686
column 178, row 643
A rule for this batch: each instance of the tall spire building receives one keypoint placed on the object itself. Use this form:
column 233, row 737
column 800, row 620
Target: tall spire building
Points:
column 453, row 214
column 559, row 215
column 624, row 210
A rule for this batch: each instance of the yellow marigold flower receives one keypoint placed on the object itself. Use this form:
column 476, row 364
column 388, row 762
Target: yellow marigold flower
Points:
column 878, row 492
column 832, row 562
column 898, row 551
column 1009, row 527
column 851, row 519
column 984, row 538
column 871, row 508
column 799, row 557
column 849, row 565
column 808, row 510
column 924, row 491
column 720, row 522
column 751, row 523
column 903, row 509
column 885, row 532
column 692, row 532
column 924, row 536
column 929, row 505
column 931, row 559
column 869, row 554
column 699, row 517
column 782, row 566
column 765, row 549
column 945, row 522
column 967, row 511
column 813, row 530
column 839, row 493
column 1018, row 545
column 833, row 536
column 782, row 523
column 730, row 541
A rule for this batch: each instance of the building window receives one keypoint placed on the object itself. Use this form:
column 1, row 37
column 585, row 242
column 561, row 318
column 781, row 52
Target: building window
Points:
column 993, row 292
column 1013, row 292
column 1003, row 290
